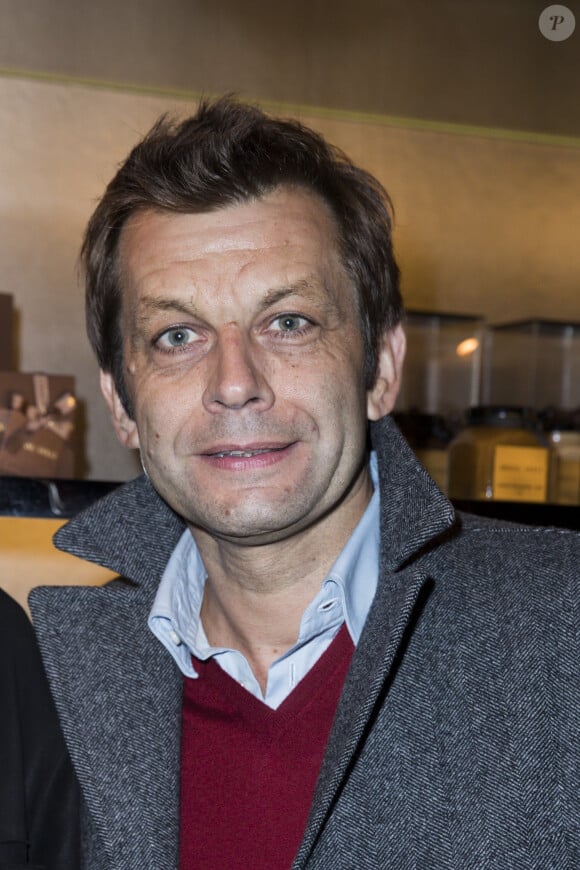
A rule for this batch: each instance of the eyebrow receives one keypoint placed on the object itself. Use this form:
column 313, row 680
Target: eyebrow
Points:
column 148, row 305
column 303, row 287
column 152, row 304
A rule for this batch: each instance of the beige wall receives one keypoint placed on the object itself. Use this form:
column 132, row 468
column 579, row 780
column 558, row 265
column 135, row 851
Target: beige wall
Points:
column 484, row 225
column 480, row 62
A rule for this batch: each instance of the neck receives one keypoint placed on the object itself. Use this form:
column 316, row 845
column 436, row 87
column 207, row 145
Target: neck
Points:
column 262, row 624
column 255, row 596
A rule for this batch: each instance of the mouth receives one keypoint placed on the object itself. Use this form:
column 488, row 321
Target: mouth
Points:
column 251, row 457
column 245, row 454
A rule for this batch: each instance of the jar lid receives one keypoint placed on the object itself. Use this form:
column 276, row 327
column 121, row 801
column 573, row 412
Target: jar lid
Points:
column 419, row 427
column 506, row 416
column 558, row 419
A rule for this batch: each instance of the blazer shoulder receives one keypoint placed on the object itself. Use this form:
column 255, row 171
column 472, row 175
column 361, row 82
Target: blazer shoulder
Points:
column 506, row 565
column 523, row 541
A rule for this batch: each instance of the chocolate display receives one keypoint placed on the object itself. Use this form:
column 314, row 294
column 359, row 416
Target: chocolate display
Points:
column 37, row 422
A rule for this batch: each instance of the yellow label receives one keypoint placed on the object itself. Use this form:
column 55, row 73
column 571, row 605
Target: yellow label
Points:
column 520, row 473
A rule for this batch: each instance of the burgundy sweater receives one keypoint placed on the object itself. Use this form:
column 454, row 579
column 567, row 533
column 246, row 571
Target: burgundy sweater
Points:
column 248, row 772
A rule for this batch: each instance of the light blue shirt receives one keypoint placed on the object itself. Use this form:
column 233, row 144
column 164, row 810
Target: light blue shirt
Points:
column 346, row 595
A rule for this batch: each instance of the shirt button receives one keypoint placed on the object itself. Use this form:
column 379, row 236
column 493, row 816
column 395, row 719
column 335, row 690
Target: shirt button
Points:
column 173, row 636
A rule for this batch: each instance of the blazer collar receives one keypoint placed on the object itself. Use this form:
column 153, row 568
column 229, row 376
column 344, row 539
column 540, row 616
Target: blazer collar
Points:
column 414, row 511
column 133, row 532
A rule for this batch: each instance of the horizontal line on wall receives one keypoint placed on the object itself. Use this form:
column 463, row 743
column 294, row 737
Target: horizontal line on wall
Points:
column 419, row 124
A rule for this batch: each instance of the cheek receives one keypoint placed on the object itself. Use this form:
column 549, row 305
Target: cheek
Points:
column 159, row 421
column 334, row 403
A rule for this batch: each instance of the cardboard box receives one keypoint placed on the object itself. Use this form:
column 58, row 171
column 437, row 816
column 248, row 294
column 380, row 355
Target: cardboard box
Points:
column 37, row 424
column 6, row 331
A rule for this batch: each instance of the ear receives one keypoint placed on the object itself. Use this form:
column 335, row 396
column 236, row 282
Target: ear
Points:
column 381, row 398
column 125, row 427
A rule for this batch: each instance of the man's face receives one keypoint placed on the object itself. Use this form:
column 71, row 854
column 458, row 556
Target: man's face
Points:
column 244, row 360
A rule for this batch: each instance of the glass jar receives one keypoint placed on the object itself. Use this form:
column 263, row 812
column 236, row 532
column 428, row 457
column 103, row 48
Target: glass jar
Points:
column 565, row 467
column 429, row 436
column 562, row 433
column 499, row 456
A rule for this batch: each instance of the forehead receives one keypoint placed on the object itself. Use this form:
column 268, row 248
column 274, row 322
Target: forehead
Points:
column 287, row 231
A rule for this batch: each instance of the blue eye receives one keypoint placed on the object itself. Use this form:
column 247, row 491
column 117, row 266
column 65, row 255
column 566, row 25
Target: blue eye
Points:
column 291, row 322
column 178, row 336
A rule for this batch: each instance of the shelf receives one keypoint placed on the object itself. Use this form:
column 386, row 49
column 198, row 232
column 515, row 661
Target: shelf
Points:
column 55, row 499
column 559, row 515
column 62, row 499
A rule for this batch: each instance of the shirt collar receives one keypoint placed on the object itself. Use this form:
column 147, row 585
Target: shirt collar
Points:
column 346, row 593
column 353, row 577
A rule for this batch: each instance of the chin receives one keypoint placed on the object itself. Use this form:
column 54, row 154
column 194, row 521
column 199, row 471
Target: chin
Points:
column 249, row 527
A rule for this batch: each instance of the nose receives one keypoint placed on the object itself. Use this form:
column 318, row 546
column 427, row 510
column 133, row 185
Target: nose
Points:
column 236, row 378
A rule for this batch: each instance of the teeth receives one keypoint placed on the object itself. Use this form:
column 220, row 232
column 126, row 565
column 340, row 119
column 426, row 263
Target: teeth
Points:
column 242, row 454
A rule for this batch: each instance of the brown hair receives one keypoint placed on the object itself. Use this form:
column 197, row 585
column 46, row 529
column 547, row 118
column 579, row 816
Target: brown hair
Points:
column 226, row 153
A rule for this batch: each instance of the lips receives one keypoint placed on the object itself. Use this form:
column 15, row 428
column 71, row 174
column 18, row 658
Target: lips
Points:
column 244, row 454
column 247, row 451
column 251, row 457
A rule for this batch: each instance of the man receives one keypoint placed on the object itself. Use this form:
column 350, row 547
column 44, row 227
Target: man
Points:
column 38, row 791
column 311, row 661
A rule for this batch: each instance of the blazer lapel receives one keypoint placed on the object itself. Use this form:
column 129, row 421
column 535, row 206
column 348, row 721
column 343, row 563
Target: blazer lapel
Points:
column 414, row 513
column 372, row 667
column 119, row 698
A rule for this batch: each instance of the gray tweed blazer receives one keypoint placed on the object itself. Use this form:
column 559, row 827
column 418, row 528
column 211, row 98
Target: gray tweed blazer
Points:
column 455, row 742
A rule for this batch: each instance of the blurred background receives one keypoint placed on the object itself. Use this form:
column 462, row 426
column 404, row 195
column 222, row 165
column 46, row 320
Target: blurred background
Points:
column 465, row 111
